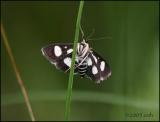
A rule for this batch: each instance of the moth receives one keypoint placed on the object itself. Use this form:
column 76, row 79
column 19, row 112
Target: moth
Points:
column 88, row 63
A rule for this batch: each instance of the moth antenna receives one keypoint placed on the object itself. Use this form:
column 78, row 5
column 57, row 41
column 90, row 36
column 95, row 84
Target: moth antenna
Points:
column 91, row 34
column 101, row 38
column 81, row 31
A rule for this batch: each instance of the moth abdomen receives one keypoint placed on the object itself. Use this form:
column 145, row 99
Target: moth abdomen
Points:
column 82, row 69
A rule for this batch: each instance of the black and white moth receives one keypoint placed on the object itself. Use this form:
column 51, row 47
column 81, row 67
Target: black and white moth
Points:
column 87, row 63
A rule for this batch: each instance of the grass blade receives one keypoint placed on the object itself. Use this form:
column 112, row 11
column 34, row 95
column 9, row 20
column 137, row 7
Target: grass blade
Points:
column 71, row 75
column 18, row 76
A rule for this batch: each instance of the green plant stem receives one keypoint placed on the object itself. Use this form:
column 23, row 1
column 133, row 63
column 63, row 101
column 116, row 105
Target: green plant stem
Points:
column 71, row 75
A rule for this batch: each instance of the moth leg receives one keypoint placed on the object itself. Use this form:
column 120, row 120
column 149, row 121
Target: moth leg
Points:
column 82, row 61
column 70, row 68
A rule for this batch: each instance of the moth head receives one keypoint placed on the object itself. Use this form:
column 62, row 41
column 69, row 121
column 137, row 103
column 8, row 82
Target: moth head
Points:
column 82, row 48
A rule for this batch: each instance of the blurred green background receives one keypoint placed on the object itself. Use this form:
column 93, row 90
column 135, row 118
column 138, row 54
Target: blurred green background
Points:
column 131, row 49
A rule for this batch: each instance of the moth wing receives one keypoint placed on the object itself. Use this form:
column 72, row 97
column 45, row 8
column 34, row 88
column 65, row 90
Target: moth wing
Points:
column 98, row 69
column 59, row 54
column 55, row 52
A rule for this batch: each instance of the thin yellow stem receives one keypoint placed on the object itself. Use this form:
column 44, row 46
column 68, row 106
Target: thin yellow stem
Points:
column 17, row 73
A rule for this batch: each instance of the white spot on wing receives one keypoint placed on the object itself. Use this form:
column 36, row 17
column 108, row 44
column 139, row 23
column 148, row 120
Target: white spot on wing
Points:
column 89, row 62
column 65, row 47
column 101, row 78
column 67, row 61
column 109, row 74
column 53, row 62
column 69, row 51
column 43, row 51
column 98, row 81
column 94, row 70
column 102, row 65
column 57, row 51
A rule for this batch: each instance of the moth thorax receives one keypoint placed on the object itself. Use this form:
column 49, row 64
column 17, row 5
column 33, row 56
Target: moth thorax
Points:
column 82, row 49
